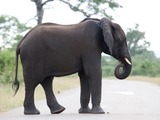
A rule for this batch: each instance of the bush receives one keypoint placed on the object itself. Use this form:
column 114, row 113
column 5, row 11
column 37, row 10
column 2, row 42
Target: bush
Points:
column 146, row 65
column 7, row 65
column 108, row 66
column 143, row 64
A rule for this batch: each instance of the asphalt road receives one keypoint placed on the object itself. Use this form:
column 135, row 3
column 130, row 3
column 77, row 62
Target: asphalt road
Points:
column 121, row 100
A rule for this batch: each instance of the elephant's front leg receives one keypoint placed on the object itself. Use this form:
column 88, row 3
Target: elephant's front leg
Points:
column 96, row 94
column 85, row 93
column 92, row 69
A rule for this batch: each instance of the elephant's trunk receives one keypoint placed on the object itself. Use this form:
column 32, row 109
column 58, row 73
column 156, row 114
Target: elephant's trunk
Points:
column 123, row 70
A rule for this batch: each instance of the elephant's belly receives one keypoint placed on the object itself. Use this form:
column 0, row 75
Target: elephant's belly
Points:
column 58, row 73
column 65, row 68
column 64, row 73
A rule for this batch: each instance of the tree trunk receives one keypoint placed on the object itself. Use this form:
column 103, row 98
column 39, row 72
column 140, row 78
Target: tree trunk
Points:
column 40, row 11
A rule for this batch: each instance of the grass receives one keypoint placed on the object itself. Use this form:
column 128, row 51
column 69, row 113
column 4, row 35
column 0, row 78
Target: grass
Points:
column 155, row 80
column 7, row 101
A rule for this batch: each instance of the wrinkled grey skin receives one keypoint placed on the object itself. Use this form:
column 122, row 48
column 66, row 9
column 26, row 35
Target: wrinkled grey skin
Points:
column 51, row 50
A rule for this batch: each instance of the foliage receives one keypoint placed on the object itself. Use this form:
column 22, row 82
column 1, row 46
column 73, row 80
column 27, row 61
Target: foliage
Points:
column 7, row 65
column 145, row 64
column 87, row 7
column 108, row 64
column 11, row 30
column 92, row 7
column 136, row 41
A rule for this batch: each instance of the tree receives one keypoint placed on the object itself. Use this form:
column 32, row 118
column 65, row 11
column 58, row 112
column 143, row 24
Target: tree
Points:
column 11, row 30
column 86, row 7
column 144, row 61
column 39, row 8
column 136, row 41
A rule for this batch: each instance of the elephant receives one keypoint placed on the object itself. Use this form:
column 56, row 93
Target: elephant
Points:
column 52, row 50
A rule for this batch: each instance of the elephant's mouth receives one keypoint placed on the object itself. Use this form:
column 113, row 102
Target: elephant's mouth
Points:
column 123, row 70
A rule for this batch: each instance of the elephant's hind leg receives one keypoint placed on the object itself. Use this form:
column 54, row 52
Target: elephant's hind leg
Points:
column 52, row 103
column 29, row 106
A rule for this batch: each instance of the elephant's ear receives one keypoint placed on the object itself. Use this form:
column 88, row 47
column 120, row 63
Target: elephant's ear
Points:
column 107, row 33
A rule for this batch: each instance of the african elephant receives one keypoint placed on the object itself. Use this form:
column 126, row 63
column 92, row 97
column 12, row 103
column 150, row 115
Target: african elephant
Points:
column 51, row 50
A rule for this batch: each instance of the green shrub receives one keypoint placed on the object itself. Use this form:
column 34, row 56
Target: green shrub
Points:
column 143, row 65
column 7, row 66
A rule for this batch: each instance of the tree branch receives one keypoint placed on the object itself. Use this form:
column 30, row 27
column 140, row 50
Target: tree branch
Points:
column 76, row 8
column 30, row 20
column 46, row 2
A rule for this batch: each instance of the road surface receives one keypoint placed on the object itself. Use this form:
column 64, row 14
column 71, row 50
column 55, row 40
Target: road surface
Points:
column 121, row 100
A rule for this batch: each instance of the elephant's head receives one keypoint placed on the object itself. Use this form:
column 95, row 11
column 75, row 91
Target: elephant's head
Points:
column 115, row 39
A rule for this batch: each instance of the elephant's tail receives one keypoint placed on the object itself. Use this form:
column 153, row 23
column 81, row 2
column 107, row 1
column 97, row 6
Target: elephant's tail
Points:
column 15, row 84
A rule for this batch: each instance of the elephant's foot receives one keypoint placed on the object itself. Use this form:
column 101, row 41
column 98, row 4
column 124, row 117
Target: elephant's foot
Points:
column 57, row 109
column 97, row 110
column 31, row 111
column 84, row 110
